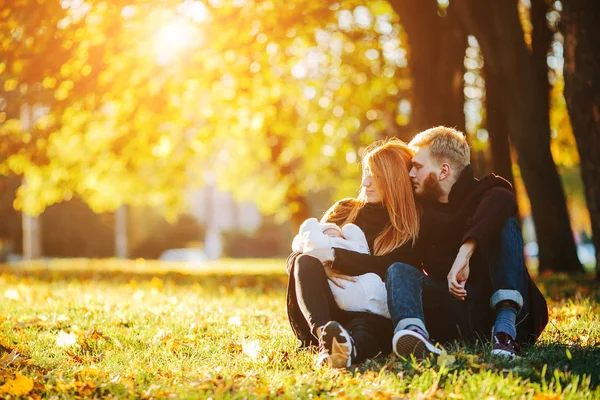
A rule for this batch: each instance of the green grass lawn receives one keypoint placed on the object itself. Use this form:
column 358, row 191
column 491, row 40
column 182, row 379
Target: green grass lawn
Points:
column 137, row 329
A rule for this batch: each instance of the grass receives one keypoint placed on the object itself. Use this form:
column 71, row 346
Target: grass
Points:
column 136, row 329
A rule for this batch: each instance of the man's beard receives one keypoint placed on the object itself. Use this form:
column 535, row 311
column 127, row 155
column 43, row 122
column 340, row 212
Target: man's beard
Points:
column 432, row 190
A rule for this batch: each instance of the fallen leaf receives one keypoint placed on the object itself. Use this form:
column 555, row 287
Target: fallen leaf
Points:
column 252, row 349
column 64, row 339
column 7, row 359
column 19, row 386
column 11, row 294
column 445, row 360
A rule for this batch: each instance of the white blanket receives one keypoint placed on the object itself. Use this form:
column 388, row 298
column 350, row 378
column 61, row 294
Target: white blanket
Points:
column 368, row 293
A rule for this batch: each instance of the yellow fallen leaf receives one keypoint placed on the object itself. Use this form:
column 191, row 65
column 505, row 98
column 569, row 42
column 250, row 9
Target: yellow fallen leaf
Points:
column 445, row 360
column 19, row 386
column 11, row 294
column 252, row 349
column 64, row 339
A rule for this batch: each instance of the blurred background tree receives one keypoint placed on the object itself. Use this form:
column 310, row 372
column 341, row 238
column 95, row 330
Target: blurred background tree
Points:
column 131, row 102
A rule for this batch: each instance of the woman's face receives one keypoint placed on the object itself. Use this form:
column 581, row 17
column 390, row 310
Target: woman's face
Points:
column 372, row 192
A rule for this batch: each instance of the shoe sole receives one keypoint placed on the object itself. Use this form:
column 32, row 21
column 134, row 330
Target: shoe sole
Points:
column 338, row 345
column 504, row 353
column 407, row 343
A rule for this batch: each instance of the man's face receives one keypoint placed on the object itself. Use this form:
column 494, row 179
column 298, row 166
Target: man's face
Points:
column 424, row 175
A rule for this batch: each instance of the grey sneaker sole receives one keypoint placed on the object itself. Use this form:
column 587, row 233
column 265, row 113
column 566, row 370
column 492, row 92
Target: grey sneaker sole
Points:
column 339, row 344
column 504, row 353
column 407, row 343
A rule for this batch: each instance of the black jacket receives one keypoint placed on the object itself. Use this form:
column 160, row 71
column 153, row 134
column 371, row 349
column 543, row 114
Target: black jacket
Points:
column 476, row 209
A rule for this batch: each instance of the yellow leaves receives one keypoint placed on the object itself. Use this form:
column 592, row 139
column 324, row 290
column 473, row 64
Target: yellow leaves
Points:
column 17, row 67
column 164, row 147
column 63, row 90
column 445, row 360
column 10, row 85
column 65, row 340
column 19, row 386
column 381, row 8
column 546, row 396
column 49, row 82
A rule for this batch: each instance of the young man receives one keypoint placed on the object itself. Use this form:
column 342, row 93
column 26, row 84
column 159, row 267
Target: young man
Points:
column 473, row 280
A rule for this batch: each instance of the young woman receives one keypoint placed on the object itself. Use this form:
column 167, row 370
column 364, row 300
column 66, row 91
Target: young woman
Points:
column 386, row 212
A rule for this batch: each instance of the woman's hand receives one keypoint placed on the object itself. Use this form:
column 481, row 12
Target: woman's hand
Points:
column 336, row 277
column 323, row 255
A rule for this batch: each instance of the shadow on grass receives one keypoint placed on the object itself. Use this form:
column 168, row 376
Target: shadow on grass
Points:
column 558, row 365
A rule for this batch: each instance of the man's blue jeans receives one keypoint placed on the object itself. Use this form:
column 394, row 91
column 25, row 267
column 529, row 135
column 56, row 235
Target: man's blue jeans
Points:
column 417, row 299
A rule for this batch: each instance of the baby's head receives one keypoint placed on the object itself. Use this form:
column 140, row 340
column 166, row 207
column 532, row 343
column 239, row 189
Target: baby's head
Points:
column 331, row 230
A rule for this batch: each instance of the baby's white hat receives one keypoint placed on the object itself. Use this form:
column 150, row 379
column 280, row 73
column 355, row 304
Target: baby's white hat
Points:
column 330, row 225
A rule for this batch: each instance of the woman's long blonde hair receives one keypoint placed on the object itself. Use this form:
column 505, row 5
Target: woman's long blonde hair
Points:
column 389, row 161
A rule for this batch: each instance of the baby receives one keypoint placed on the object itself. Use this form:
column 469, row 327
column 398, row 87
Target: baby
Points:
column 368, row 293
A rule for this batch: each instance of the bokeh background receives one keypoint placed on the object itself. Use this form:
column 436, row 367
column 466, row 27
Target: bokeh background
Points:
column 131, row 128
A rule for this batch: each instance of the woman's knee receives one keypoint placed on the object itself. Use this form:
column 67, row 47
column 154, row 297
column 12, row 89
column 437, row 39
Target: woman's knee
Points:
column 307, row 266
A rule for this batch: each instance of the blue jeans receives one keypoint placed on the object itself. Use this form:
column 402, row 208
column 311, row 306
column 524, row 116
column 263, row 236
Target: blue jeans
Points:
column 499, row 274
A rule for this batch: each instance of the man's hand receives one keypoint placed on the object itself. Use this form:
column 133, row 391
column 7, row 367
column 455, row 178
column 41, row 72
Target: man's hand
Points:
column 323, row 255
column 336, row 277
column 459, row 273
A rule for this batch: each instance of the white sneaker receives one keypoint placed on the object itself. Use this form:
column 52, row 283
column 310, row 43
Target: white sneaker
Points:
column 336, row 346
column 406, row 342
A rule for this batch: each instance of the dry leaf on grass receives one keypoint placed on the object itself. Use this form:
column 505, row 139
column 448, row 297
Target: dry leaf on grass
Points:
column 445, row 360
column 252, row 349
column 8, row 359
column 64, row 339
column 19, row 386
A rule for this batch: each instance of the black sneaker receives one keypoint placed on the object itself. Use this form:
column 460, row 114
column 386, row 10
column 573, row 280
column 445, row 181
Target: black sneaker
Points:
column 336, row 347
column 406, row 342
column 505, row 346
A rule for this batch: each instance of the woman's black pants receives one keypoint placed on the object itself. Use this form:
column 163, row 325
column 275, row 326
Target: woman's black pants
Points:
column 371, row 333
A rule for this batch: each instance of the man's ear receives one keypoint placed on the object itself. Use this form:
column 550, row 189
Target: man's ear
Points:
column 445, row 171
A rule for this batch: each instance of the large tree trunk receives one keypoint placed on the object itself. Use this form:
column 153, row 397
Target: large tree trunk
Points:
column 497, row 26
column 541, row 37
column 582, row 92
column 497, row 125
column 436, row 61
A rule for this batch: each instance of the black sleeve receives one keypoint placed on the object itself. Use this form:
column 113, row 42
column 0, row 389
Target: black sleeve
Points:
column 354, row 263
column 495, row 208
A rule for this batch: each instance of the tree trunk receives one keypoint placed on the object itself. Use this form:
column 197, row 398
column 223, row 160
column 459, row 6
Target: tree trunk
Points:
column 497, row 125
column 436, row 61
column 497, row 27
column 121, row 242
column 581, row 30
column 541, row 37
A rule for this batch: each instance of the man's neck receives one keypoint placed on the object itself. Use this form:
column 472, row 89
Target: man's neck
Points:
column 446, row 187
column 443, row 198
